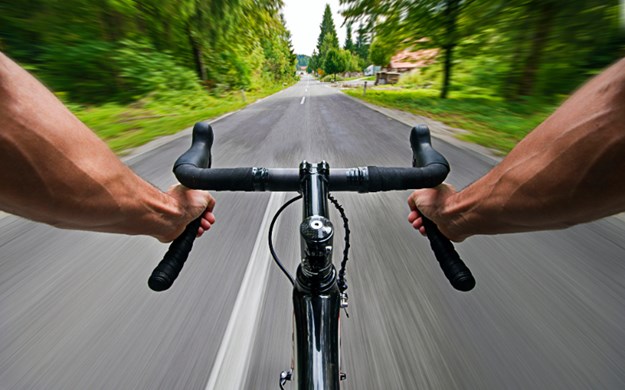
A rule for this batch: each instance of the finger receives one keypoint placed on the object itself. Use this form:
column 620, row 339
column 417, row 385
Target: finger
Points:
column 411, row 202
column 413, row 215
column 418, row 223
column 200, row 231
column 205, row 224
column 211, row 203
column 422, row 231
column 209, row 216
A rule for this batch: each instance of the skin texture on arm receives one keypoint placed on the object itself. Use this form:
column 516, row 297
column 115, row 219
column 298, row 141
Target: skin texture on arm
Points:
column 569, row 170
column 56, row 170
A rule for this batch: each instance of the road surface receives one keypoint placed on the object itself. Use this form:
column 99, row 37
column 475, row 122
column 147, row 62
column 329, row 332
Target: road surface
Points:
column 548, row 311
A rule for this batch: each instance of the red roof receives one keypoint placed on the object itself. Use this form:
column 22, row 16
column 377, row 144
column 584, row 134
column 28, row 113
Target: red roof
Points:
column 407, row 59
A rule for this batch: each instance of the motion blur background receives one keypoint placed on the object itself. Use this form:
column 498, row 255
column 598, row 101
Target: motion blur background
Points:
column 548, row 310
column 170, row 62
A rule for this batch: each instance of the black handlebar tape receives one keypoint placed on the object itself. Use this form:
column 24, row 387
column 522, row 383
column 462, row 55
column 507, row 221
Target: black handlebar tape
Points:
column 216, row 179
column 423, row 154
column 391, row 179
column 198, row 156
column 168, row 269
column 453, row 267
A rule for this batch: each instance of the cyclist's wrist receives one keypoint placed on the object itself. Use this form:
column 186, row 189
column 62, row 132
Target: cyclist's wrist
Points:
column 146, row 210
column 165, row 217
column 177, row 208
column 455, row 212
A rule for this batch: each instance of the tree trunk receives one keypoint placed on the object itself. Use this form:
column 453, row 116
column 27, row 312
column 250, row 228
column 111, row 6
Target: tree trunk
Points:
column 511, row 83
column 112, row 23
column 197, row 55
column 452, row 10
column 447, row 71
column 546, row 16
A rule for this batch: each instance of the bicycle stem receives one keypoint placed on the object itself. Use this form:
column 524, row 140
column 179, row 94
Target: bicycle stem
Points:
column 316, row 271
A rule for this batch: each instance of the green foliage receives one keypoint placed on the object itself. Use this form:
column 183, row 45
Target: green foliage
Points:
column 511, row 48
column 118, row 50
column 350, row 61
column 314, row 64
column 136, row 69
column 362, row 45
column 331, row 78
column 145, row 70
column 329, row 43
column 424, row 78
column 349, row 44
column 333, row 62
column 324, row 43
column 302, row 60
column 83, row 70
column 329, row 57
column 491, row 122
column 380, row 52
column 124, row 127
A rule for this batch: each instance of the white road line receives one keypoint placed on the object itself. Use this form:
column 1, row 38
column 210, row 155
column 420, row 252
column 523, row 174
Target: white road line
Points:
column 303, row 99
column 232, row 362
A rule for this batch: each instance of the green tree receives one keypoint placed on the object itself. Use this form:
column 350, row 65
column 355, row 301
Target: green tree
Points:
column 349, row 43
column 329, row 42
column 350, row 61
column 78, row 46
column 515, row 47
column 408, row 22
column 380, row 53
column 302, row 60
column 333, row 62
column 327, row 27
column 362, row 42
column 558, row 43
column 314, row 63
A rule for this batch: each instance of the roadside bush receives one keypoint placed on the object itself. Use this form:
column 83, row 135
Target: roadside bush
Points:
column 95, row 72
column 330, row 78
column 83, row 70
column 145, row 70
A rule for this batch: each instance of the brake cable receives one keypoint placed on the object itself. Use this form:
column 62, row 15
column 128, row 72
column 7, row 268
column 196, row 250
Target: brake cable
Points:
column 342, row 282
column 273, row 252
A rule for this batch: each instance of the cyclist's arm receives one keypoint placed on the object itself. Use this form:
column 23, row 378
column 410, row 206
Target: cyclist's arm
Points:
column 53, row 169
column 569, row 170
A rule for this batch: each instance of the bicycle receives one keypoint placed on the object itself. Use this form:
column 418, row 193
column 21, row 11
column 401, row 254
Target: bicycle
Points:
column 319, row 291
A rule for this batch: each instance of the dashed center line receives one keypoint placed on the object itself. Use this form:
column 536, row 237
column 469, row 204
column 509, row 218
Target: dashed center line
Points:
column 303, row 100
column 233, row 358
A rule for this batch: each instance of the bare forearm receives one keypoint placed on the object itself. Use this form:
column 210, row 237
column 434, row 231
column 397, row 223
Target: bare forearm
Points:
column 55, row 170
column 569, row 170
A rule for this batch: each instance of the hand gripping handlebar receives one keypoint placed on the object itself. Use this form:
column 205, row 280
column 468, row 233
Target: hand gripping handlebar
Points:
column 168, row 269
column 453, row 267
column 193, row 170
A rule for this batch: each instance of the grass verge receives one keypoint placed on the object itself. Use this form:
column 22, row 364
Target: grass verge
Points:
column 491, row 122
column 124, row 127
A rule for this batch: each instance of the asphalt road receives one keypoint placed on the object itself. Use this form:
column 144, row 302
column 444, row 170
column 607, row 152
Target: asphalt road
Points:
column 548, row 311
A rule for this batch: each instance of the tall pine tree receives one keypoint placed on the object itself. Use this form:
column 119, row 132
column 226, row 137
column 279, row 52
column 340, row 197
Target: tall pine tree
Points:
column 349, row 44
column 327, row 27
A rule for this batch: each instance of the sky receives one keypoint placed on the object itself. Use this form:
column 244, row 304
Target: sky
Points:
column 303, row 18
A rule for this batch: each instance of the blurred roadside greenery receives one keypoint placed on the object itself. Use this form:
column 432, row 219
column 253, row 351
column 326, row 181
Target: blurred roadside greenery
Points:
column 513, row 49
column 124, row 127
column 502, row 65
column 490, row 121
column 167, row 62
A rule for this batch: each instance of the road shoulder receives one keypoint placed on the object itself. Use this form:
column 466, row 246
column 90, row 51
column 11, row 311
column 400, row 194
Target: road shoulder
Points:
column 437, row 129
